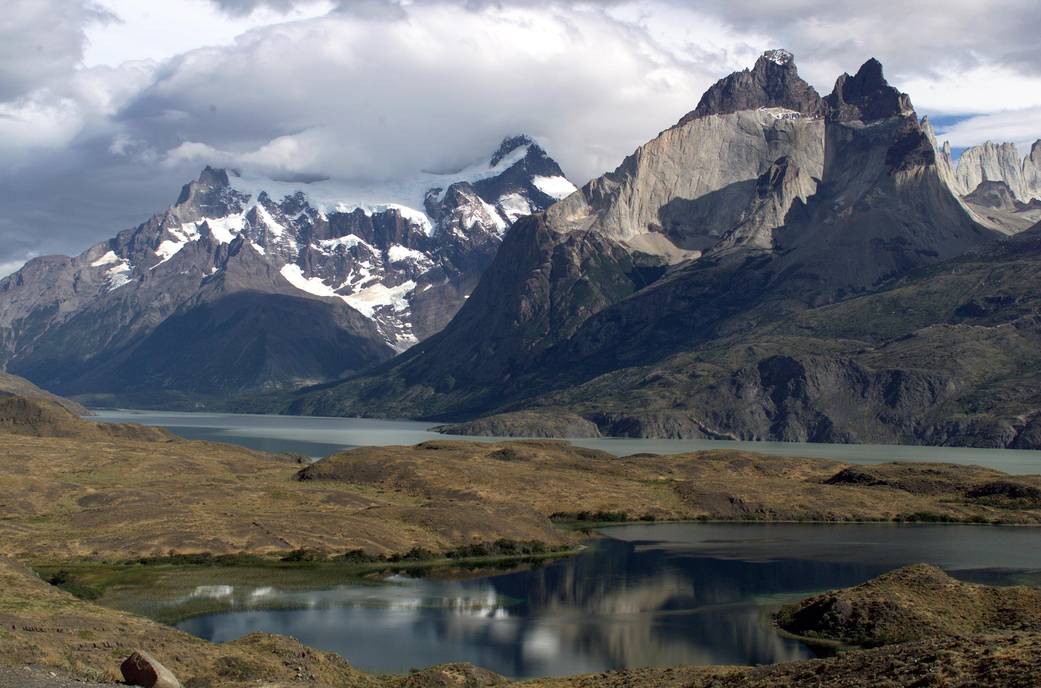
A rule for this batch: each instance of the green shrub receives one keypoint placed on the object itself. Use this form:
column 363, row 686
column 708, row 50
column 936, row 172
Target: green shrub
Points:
column 303, row 554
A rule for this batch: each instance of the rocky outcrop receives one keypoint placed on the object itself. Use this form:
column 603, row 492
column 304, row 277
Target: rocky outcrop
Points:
column 1001, row 191
column 1001, row 162
column 37, row 417
column 1032, row 171
column 19, row 386
column 882, row 207
column 911, row 604
column 996, row 195
column 776, row 193
column 525, row 424
column 453, row 676
column 865, row 97
column 142, row 669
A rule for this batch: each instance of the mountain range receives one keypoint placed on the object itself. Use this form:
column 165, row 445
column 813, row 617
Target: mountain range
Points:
column 246, row 286
column 777, row 266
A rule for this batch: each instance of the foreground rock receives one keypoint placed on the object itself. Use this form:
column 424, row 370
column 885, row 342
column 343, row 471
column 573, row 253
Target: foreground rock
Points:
column 142, row 669
column 913, row 603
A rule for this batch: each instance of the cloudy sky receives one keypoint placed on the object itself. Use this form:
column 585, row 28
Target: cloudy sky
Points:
column 108, row 106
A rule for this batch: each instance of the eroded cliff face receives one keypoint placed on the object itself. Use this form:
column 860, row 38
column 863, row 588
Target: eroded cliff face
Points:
column 998, row 188
column 680, row 193
column 1001, row 162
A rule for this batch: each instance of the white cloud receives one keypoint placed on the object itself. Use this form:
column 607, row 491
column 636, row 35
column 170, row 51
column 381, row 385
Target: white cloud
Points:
column 149, row 30
column 102, row 119
column 1021, row 127
column 370, row 98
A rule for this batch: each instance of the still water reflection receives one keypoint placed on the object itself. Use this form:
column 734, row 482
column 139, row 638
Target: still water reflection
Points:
column 642, row 596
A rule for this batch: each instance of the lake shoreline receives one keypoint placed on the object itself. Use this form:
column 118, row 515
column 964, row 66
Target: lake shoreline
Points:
column 319, row 436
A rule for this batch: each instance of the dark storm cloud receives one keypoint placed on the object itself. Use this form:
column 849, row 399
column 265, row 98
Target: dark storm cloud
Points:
column 42, row 40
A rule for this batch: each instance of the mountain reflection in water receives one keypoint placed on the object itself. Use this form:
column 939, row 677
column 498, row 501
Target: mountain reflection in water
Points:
column 646, row 595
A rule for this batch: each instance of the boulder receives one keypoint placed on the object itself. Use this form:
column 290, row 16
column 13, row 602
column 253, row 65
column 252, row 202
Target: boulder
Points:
column 142, row 669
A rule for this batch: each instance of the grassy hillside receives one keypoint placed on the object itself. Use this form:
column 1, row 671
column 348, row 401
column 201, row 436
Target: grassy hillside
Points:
column 12, row 384
column 913, row 603
column 74, row 489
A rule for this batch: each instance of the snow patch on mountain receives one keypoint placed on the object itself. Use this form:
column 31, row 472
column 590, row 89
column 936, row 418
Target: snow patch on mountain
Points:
column 168, row 248
column 312, row 285
column 400, row 254
column 106, row 259
column 368, row 300
column 514, row 206
column 349, row 241
column 225, row 229
column 555, row 187
column 779, row 56
column 406, row 196
column 272, row 225
column 118, row 275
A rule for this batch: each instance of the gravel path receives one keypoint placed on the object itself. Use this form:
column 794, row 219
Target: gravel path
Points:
column 31, row 677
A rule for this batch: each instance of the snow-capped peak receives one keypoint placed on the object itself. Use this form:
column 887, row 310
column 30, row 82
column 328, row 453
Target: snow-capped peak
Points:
column 509, row 145
column 370, row 244
column 779, row 56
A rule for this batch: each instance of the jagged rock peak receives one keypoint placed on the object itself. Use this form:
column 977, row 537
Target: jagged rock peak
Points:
column 211, row 195
column 866, row 96
column 774, row 81
column 510, row 144
column 209, row 178
column 991, row 161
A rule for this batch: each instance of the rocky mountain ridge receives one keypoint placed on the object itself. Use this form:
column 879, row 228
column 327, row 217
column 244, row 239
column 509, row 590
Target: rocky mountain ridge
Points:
column 247, row 284
column 687, row 293
column 1000, row 188
column 1000, row 162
